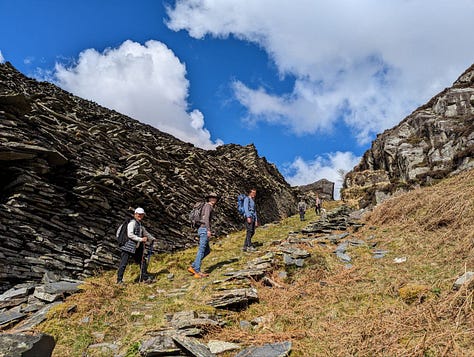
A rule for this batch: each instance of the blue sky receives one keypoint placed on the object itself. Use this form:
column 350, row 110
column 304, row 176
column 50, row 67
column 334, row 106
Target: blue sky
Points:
column 309, row 82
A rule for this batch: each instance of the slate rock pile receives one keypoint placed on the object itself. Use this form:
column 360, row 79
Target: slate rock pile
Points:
column 233, row 293
column 338, row 219
column 182, row 338
column 25, row 305
column 71, row 171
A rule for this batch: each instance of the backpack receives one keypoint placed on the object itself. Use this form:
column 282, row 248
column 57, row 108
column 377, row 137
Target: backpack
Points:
column 121, row 233
column 195, row 214
column 240, row 204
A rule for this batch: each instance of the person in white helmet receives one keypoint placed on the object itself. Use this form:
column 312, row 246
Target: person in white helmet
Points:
column 137, row 237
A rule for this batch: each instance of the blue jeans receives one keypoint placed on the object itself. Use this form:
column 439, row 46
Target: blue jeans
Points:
column 203, row 249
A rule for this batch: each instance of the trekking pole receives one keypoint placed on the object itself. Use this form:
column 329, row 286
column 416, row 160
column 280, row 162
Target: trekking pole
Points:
column 150, row 252
column 141, row 264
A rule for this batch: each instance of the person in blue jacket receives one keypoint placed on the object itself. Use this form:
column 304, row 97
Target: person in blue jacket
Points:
column 251, row 219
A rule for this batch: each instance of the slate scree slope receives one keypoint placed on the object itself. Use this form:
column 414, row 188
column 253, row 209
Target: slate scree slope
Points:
column 71, row 170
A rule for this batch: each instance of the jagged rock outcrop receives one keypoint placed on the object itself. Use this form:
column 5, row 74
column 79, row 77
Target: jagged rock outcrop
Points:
column 433, row 142
column 71, row 170
column 324, row 188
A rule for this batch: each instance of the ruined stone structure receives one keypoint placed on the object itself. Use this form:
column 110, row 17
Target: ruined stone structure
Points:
column 324, row 188
column 71, row 171
column 435, row 141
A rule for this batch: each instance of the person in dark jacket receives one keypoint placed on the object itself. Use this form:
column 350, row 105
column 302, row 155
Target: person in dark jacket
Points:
column 204, row 233
column 135, row 245
column 302, row 209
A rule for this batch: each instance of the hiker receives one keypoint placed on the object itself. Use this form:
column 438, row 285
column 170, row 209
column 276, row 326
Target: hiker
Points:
column 135, row 246
column 318, row 203
column 251, row 220
column 302, row 209
column 204, row 233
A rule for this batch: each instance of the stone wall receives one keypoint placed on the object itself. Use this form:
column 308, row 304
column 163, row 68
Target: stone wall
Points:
column 71, row 171
column 435, row 141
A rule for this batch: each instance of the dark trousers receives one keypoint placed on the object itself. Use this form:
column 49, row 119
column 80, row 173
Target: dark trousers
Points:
column 250, row 232
column 124, row 258
column 318, row 209
column 302, row 215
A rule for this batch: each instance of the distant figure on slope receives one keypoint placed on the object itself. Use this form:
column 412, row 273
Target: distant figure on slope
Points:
column 204, row 232
column 318, row 203
column 135, row 246
column 251, row 220
column 302, row 209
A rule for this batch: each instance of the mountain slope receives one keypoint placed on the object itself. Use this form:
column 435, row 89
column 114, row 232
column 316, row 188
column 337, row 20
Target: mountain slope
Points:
column 401, row 303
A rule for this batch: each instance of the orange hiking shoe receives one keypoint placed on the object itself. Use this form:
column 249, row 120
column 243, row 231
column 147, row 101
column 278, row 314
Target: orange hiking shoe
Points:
column 200, row 275
column 192, row 271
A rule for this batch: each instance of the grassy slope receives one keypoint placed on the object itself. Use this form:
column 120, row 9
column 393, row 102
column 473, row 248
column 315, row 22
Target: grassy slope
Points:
column 377, row 307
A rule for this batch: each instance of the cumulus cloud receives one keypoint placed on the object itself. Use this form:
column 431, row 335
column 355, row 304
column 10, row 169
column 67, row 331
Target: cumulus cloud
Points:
column 2, row 60
column 331, row 166
column 146, row 82
column 367, row 62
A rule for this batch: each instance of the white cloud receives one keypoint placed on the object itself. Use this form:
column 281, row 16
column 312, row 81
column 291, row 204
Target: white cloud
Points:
column 329, row 166
column 146, row 82
column 2, row 60
column 368, row 62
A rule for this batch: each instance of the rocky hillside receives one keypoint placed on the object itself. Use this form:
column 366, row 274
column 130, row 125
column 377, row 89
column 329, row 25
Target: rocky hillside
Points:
column 71, row 170
column 433, row 142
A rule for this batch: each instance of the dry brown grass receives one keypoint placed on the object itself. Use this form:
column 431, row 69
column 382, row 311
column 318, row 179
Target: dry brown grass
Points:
column 363, row 311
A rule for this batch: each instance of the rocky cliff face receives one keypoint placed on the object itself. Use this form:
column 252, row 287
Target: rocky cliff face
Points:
column 71, row 170
column 435, row 141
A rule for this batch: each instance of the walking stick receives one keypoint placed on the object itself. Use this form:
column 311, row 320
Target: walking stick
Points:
column 140, row 278
column 150, row 252
column 147, row 259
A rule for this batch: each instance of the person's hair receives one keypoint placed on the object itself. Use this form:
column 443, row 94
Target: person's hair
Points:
column 251, row 189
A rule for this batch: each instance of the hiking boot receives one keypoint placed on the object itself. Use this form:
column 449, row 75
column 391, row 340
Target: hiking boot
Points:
column 251, row 249
column 148, row 280
column 244, row 249
column 120, row 283
column 192, row 271
column 200, row 275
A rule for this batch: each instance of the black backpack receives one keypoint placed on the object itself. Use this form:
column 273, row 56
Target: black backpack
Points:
column 195, row 214
column 121, row 233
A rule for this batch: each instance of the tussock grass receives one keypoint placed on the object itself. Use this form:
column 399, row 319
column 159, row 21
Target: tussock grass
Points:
column 375, row 308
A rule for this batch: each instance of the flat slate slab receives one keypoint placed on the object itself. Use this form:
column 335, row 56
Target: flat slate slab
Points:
column 8, row 317
column 281, row 349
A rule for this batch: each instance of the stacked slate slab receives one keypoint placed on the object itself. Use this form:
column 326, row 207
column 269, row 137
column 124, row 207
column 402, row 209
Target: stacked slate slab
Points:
column 71, row 171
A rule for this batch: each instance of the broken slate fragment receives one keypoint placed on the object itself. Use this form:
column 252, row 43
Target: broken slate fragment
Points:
column 281, row 349
column 380, row 253
column 235, row 298
column 192, row 346
column 9, row 317
column 466, row 278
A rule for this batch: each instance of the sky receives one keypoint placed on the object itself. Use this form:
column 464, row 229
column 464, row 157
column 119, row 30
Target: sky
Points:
column 309, row 82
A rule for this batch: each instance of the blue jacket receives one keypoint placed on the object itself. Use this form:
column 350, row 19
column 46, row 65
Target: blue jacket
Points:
column 249, row 207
